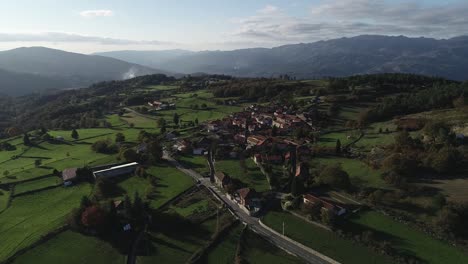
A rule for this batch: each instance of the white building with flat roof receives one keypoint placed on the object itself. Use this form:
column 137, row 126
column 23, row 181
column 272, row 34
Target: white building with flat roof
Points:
column 116, row 170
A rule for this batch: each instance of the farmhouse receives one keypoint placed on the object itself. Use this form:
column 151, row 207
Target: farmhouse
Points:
column 68, row 176
column 249, row 201
column 222, row 179
column 115, row 171
column 326, row 205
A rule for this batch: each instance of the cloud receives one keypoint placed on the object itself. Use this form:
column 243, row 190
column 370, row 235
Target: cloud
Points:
column 97, row 13
column 268, row 9
column 60, row 37
column 343, row 18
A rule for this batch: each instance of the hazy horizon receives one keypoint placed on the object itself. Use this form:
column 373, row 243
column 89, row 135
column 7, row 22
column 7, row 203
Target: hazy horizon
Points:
column 90, row 26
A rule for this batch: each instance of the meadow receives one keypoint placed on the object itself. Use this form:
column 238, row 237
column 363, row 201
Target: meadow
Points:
column 37, row 184
column 32, row 216
column 410, row 241
column 324, row 241
column 73, row 248
column 359, row 172
column 170, row 183
column 253, row 177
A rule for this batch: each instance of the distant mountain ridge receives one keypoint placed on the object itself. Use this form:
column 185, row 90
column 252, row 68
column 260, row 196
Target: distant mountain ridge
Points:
column 61, row 69
column 338, row 57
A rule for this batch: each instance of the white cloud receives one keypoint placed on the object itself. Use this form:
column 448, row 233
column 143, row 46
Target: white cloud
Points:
column 269, row 9
column 61, row 37
column 97, row 13
column 344, row 18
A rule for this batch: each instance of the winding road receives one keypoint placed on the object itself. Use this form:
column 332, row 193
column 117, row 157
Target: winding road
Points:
column 307, row 254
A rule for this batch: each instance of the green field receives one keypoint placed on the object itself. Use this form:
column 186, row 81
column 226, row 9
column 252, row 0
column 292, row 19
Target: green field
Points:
column 71, row 247
column 254, row 178
column 410, row 241
column 134, row 184
column 32, row 216
column 224, row 251
column 5, row 194
column 37, row 184
column 196, row 163
column 325, row 242
column 185, row 108
column 255, row 249
column 171, row 182
column 178, row 239
column 359, row 172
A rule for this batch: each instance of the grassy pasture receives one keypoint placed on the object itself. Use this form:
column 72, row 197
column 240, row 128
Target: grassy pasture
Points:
column 171, row 182
column 31, row 216
column 73, row 248
column 359, row 172
column 325, row 242
column 5, row 194
column 224, row 251
column 410, row 241
column 454, row 189
column 37, row 184
column 255, row 249
column 177, row 238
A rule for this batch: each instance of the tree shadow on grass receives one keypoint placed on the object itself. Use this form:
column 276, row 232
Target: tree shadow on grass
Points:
column 178, row 227
column 396, row 242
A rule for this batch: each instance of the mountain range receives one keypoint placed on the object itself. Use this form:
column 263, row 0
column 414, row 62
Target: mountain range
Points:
column 338, row 57
column 35, row 69
column 38, row 68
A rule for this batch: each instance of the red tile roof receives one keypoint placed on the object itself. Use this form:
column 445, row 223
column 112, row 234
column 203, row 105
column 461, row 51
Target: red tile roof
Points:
column 69, row 174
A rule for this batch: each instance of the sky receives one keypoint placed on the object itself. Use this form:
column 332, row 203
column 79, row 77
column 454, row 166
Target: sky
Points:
column 88, row 26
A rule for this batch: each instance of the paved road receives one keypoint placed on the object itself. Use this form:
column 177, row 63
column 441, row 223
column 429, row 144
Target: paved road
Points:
column 307, row 254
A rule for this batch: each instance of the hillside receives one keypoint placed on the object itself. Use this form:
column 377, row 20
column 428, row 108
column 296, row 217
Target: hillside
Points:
column 72, row 69
column 337, row 57
column 16, row 84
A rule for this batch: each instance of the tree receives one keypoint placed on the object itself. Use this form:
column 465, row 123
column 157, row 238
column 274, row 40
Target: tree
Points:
column 403, row 139
column 338, row 146
column 26, row 140
column 196, row 121
column 327, row 217
column 161, row 122
column 85, row 202
column 155, row 151
column 163, row 129
column 129, row 155
column 37, row 163
column 175, row 118
column 119, row 137
column 439, row 201
column 335, row 176
column 274, row 131
column 74, row 134
column 93, row 217
column 459, row 102
column 297, row 186
column 127, row 205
